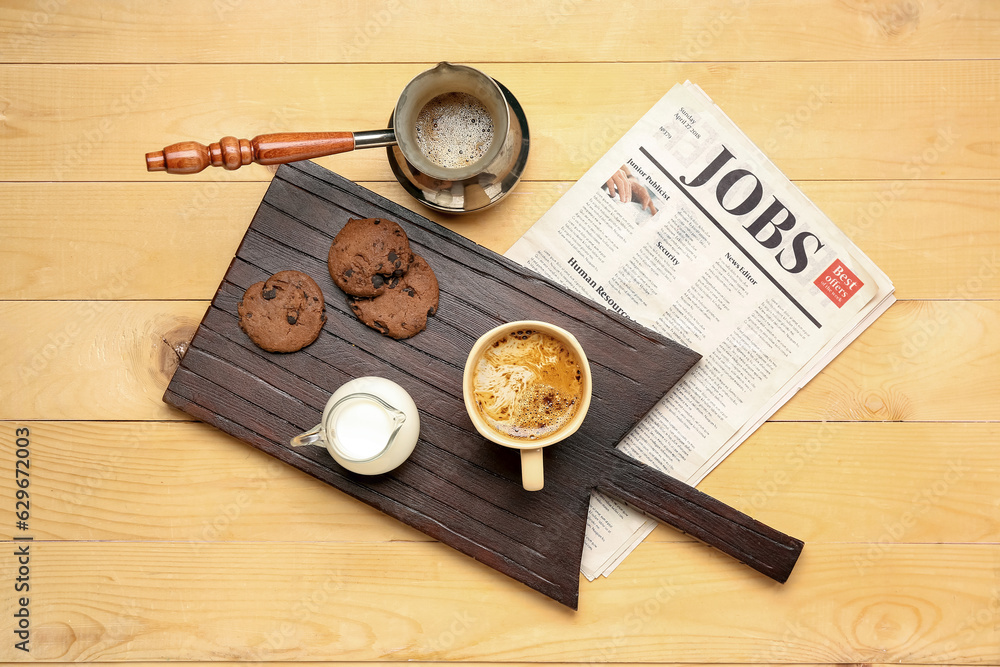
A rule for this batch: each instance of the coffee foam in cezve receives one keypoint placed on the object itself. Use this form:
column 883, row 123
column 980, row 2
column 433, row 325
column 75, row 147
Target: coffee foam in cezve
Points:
column 454, row 130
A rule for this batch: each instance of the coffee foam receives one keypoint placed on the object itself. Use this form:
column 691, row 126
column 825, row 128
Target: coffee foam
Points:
column 527, row 385
column 454, row 130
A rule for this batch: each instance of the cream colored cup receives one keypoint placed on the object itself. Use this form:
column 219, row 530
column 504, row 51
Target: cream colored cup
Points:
column 532, row 469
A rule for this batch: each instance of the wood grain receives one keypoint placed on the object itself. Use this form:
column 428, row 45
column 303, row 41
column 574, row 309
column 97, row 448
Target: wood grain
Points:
column 91, row 360
column 814, row 120
column 61, row 242
column 823, row 482
column 935, row 239
column 158, row 541
column 429, row 663
column 370, row 663
column 389, row 31
column 125, row 601
column 78, row 359
column 880, row 378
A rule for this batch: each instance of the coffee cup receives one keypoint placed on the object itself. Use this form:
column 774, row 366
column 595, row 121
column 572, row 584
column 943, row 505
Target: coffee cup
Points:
column 527, row 385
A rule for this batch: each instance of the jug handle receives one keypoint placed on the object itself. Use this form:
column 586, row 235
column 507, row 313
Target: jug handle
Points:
column 398, row 417
column 310, row 437
column 190, row 157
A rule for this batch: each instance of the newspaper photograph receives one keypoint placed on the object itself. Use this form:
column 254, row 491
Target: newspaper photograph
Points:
column 686, row 227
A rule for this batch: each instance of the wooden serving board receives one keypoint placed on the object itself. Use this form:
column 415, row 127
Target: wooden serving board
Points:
column 456, row 487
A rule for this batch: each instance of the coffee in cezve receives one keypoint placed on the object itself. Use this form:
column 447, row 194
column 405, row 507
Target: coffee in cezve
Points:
column 454, row 130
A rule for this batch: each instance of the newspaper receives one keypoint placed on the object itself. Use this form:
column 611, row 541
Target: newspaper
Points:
column 686, row 227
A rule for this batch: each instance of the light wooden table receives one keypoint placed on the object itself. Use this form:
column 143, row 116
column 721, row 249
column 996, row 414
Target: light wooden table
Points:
column 156, row 538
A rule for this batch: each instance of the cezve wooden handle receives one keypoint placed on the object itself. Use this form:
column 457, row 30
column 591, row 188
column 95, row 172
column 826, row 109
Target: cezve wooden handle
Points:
column 190, row 157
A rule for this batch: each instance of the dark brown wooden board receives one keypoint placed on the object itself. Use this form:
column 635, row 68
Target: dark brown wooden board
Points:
column 456, row 487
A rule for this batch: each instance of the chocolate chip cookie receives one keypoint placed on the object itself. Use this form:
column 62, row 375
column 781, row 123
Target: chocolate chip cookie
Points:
column 283, row 313
column 402, row 309
column 367, row 255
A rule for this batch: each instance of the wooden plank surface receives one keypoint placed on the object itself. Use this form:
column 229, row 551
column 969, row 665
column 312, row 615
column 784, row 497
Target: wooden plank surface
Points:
column 158, row 539
column 112, row 360
column 197, row 484
column 395, row 31
column 61, row 243
column 816, row 120
column 423, row 601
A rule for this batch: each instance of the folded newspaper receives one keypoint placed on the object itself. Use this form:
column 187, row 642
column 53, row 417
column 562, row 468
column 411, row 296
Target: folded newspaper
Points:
column 686, row 227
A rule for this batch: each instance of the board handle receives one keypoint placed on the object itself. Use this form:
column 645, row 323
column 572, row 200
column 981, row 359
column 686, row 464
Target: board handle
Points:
column 684, row 507
column 190, row 157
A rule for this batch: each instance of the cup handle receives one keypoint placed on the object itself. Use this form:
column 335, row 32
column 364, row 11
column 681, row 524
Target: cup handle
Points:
column 532, row 473
column 310, row 437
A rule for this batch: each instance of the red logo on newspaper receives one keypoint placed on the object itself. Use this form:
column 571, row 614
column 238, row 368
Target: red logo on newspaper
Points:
column 838, row 283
